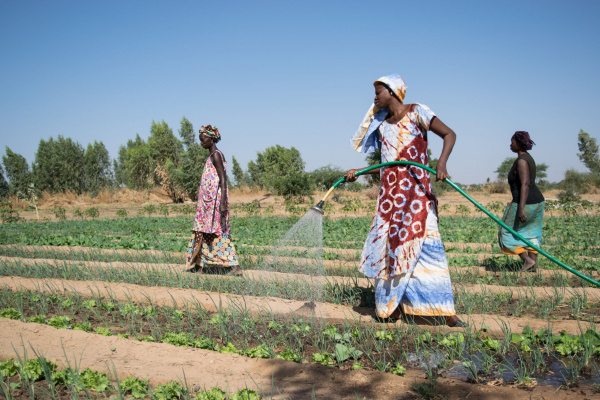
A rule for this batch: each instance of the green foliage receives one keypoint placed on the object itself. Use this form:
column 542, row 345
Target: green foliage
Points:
column 372, row 159
column 289, row 355
column 260, row 351
column 245, row 394
column 294, row 183
column 229, row 348
column 60, row 213
column 103, row 331
column 589, row 154
column 187, row 176
column 177, row 339
column 33, row 369
column 94, row 380
column 504, row 168
column 572, row 186
column 9, row 367
column 92, row 212
column 169, row 391
column 59, row 322
column 8, row 215
column 134, row 166
column 324, row 359
column 343, row 352
column 38, row 319
column 65, row 377
column 4, row 189
column 137, row 387
column 10, row 313
column 398, row 370
column 238, row 173
column 323, row 178
column 274, row 162
column 97, row 168
column 213, row 393
column 122, row 213
column 17, row 171
column 59, row 166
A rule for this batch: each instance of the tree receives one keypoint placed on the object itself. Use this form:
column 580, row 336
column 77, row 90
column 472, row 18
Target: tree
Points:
column 186, row 131
column 59, row 166
column 504, row 168
column 373, row 159
column 3, row 184
column 238, row 173
column 324, row 177
column 163, row 144
column 138, row 164
column 276, row 161
column 17, row 172
column 187, row 176
column 97, row 167
column 589, row 152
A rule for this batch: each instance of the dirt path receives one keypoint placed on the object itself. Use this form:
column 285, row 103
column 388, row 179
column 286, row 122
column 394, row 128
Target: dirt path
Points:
column 162, row 363
column 260, row 305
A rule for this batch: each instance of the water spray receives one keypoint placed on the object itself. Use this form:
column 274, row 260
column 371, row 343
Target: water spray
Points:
column 319, row 208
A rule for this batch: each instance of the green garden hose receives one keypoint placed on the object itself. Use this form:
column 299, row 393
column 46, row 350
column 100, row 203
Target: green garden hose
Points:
column 319, row 208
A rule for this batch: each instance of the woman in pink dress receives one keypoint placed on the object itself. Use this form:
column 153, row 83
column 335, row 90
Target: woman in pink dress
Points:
column 210, row 243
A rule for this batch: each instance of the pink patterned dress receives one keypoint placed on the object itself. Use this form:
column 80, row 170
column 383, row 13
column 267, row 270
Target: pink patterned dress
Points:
column 216, row 247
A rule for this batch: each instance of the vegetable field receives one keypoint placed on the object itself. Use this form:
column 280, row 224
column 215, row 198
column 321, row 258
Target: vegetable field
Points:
column 102, row 308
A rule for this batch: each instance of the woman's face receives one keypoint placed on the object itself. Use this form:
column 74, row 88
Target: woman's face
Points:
column 514, row 147
column 205, row 141
column 383, row 97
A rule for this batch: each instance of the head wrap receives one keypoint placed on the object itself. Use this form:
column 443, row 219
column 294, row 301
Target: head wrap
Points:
column 523, row 140
column 365, row 139
column 211, row 131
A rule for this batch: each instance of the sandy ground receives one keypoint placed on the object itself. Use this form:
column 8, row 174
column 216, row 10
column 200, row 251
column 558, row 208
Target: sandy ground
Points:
column 201, row 369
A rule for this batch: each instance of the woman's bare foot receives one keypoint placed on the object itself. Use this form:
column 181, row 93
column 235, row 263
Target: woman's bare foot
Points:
column 236, row 271
column 528, row 262
column 196, row 269
column 455, row 322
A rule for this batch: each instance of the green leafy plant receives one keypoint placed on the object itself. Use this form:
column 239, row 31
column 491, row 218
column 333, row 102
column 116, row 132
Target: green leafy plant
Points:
column 122, row 213
column 289, row 355
column 94, row 380
column 10, row 313
column 103, row 331
column 245, row 394
column 92, row 212
column 177, row 339
column 137, row 387
column 9, row 367
column 169, row 391
column 59, row 322
column 398, row 370
column 34, row 368
column 213, row 393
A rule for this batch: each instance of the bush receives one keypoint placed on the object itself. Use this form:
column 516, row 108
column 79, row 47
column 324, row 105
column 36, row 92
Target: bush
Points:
column 293, row 184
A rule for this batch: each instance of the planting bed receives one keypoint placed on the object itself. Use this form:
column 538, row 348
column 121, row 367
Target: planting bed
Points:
column 111, row 296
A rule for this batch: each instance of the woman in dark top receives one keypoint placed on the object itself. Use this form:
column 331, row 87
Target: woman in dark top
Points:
column 526, row 211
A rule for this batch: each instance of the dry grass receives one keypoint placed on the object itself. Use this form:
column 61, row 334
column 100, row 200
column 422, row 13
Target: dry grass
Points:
column 114, row 196
column 372, row 192
column 246, row 191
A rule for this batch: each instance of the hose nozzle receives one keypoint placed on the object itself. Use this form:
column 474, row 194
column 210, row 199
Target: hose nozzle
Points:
column 319, row 207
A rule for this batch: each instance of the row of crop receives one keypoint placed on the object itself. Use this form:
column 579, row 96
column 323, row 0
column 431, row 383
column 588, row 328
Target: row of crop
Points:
column 348, row 293
column 506, row 268
column 31, row 372
column 349, row 345
column 581, row 232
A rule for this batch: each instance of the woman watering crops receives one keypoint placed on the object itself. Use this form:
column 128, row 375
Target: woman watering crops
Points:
column 210, row 243
column 403, row 251
column 526, row 211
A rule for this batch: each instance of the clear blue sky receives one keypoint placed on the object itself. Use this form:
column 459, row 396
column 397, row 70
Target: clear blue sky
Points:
column 300, row 73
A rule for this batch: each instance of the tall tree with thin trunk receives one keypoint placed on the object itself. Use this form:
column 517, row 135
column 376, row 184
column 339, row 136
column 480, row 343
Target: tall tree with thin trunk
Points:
column 588, row 152
column 17, row 172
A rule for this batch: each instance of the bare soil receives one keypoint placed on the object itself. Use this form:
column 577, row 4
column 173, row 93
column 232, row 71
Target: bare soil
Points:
column 162, row 363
